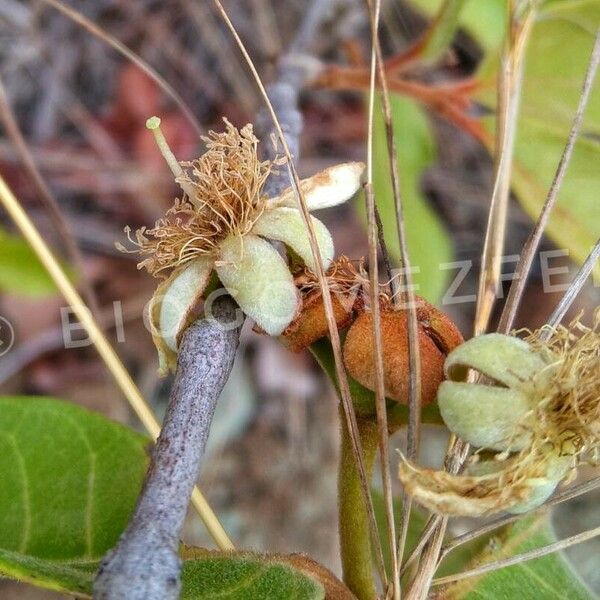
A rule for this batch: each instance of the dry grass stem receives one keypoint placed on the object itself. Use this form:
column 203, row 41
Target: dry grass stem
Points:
column 46, row 197
column 582, row 275
column 520, row 558
column 380, row 400
column 508, row 101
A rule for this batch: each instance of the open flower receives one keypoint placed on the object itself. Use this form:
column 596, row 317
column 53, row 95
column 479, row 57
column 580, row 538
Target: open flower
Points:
column 224, row 224
column 535, row 415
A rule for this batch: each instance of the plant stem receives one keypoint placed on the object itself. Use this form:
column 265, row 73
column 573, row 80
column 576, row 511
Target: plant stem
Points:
column 145, row 565
column 355, row 545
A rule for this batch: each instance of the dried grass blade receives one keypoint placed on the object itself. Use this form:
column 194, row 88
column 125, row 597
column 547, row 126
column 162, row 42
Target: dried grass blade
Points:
column 106, row 351
column 406, row 299
column 563, row 306
column 380, row 402
column 520, row 558
column 45, row 195
column 509, row 91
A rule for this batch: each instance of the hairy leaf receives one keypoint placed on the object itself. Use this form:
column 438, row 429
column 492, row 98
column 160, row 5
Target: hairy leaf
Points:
column 241, row 578
column 206, row 575
column 70, row 479
column 546, row 577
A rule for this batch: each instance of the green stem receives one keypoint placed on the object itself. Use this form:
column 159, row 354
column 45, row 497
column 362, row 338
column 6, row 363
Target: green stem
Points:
column 355, row 545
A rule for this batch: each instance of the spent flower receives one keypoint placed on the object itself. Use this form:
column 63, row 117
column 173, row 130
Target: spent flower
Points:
column 224, row 223
column 534, row 414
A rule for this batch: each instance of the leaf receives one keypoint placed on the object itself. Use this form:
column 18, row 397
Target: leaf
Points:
column 483, row 19
column 428, row 243
column 206, row 575
column 62, row 576
column 70, row 479
column 549, row 576
column 20, row 270
column 245, row 577
column 556, row 61
column 454, row 562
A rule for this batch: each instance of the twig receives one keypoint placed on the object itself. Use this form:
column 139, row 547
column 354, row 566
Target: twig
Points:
column 46, row 197
column 90, row 26
column 101, row 343
column 563, row 306
column 326, row 293
column 426, row 534
column 408, row 295
column 523, row 267
column 313, row 17
column 380, row 401
column 145, row 565
column 509, row 93
column 569, row 494
column 518, row 29
column 520, row 558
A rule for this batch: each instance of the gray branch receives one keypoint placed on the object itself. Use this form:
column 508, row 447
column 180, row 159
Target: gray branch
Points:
column 145, row 565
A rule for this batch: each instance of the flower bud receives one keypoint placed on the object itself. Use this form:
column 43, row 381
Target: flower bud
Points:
column 487, row 415
column 437, row 336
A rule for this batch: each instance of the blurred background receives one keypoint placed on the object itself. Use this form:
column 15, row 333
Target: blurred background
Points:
column 81, row 108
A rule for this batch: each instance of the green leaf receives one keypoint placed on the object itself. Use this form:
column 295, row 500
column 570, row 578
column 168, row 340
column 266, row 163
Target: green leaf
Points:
column 454, row 562
column 485, row 19
column 556, row 61
column 70, row 479
column 428, row 243
column 69, row 576
column 242, row 578
column 20, row 270
column 213, row 575
column 549, row 576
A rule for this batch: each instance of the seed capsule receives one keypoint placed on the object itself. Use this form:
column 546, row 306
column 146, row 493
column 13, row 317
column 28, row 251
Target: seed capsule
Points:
column 437, row 334
column 347, row 298
column 311, row 323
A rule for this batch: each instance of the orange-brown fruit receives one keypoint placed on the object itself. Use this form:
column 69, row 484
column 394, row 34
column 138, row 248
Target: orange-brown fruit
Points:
column 345, row 283
column 438, row 335
column 310, row 324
